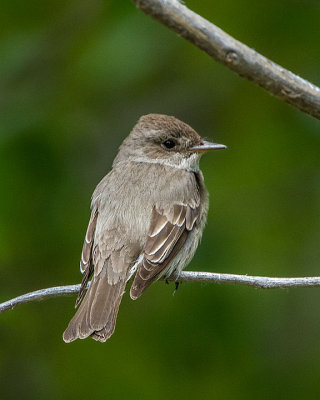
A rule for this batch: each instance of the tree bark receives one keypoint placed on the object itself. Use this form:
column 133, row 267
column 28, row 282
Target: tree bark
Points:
column 235, row 55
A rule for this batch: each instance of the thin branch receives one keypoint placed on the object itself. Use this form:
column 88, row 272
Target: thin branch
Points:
column 261, row 282
column 38, row 295
column 235, row 55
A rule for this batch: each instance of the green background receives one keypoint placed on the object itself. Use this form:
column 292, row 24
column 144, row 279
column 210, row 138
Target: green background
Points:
column 74, row 78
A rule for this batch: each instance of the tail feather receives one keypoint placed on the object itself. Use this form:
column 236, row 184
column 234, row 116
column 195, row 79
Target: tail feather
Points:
column 97, row 314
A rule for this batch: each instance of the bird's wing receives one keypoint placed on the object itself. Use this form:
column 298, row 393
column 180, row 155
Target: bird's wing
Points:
column 167, row 234
column 88, row 242
column 86, row 264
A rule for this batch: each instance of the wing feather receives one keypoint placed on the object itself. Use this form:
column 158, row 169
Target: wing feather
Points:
column 167, row 234
column 86, row 264
column 88, row 242
column 158, row 222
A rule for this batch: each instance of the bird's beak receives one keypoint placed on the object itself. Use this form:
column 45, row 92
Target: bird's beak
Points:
column 206, row 146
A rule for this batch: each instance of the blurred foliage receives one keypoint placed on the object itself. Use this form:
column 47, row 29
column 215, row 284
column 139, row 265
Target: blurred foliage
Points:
column 74, row 78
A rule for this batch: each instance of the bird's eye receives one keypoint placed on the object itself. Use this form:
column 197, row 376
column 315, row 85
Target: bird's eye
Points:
column 169, row 144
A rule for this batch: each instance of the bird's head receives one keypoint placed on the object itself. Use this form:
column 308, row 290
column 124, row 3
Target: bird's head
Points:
column 164, row 139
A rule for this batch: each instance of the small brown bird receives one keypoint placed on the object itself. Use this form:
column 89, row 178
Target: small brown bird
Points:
column 147, row 218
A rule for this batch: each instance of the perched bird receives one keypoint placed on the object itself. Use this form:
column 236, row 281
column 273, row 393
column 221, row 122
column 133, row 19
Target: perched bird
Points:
column 147, row 218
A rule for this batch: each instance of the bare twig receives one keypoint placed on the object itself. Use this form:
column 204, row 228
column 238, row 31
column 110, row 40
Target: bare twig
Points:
column 261, row 282
column 39, row 295
column 237, row 56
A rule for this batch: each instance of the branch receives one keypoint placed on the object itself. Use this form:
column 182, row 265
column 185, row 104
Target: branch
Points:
column 261, row 282
column 235, row 55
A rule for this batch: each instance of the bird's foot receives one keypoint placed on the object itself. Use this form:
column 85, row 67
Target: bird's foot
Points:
column 176, row 287
column 176, row 282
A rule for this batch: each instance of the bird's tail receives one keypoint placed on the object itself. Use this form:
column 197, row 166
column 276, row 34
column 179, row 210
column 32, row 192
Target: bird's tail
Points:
column 97, row 314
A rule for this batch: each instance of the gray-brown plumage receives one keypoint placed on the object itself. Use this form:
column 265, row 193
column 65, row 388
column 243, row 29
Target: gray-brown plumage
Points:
column 147, row 218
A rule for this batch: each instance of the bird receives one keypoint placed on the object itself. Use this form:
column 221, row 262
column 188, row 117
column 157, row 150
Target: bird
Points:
column 147, row 218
